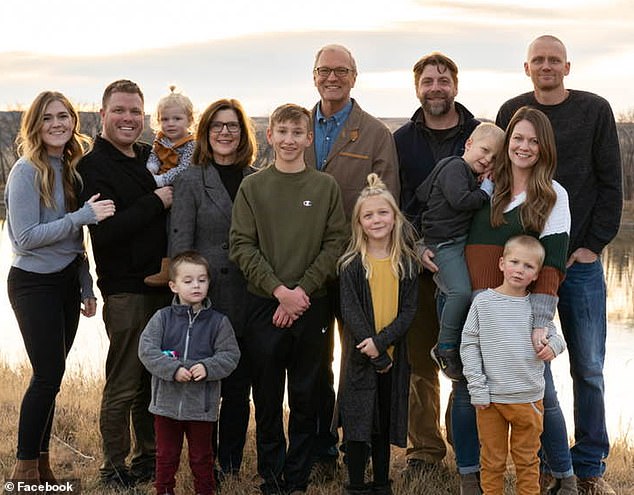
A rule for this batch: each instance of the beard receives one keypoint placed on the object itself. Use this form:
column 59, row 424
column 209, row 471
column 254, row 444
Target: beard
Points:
column 436, row 107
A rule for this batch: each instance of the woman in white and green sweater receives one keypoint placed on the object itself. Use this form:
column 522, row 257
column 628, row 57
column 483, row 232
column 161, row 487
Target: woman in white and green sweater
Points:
column 526, row 201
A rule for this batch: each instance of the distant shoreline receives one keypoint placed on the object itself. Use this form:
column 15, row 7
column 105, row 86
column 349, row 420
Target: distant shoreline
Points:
column 91, row 125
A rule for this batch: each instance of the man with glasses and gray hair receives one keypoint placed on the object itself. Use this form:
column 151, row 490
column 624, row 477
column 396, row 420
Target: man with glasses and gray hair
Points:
column 348, row 144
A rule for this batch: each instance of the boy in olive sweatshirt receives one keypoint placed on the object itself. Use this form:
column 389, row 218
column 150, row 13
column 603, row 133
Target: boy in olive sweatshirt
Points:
column 288, row 230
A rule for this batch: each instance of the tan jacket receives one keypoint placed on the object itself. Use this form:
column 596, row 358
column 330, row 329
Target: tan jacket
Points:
column 364, row 145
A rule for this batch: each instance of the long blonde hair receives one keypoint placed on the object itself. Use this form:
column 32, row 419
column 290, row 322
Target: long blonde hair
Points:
column 540, row 194
column 31, row 147
column 403, row 257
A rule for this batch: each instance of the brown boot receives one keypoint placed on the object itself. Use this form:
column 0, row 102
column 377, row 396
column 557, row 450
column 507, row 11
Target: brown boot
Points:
column 470, row 484
column 161, row 278
column 26, row 470
column 44, row 468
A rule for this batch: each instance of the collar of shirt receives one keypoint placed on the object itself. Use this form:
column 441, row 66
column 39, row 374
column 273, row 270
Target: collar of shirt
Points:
column 327, row 130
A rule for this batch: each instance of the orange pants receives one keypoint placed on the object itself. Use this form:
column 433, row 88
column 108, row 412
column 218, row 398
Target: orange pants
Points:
column 526, row 425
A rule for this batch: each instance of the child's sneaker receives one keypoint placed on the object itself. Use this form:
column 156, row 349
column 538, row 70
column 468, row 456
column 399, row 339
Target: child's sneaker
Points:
column 448, row 360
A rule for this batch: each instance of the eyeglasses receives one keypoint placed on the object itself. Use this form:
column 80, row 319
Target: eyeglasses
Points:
column 217, row 127
column 325, row 71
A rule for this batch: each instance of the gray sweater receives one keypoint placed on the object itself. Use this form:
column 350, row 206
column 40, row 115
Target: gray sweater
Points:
column 497, row 353
column 44, row 240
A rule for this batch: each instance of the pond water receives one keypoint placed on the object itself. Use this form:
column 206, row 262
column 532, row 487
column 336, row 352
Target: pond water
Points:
column 88, row 354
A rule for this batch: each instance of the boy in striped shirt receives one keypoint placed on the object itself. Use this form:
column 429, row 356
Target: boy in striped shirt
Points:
column 504, row 369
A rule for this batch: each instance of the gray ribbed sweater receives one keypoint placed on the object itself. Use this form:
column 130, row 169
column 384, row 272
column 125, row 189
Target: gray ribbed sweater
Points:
column 498, row 358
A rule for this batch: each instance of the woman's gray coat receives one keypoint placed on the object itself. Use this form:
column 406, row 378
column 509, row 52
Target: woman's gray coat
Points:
column 200, row 220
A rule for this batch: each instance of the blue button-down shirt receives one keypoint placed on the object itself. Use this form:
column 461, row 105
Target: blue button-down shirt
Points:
column 327, row 130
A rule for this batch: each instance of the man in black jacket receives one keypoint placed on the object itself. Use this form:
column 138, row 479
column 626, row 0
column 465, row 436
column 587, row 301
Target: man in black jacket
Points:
column 439, row 128
column 127, row 247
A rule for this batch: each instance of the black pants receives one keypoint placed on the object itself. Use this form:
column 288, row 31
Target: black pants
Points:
column 231, row 430
column 325, row 445
column 46, row 307
column 357, row 452
column 274, row 354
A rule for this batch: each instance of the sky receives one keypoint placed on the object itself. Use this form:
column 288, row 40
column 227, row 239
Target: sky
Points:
column 262, row 52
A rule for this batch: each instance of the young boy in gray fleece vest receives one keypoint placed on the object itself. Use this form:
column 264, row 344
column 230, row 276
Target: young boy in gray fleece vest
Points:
column 188, row 348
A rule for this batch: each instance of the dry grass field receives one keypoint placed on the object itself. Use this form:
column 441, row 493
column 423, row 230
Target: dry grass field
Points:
column 75, row 448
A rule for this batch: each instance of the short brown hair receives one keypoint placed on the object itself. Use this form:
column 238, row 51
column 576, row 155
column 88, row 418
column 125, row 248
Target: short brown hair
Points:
column 193, row 257
column 120, row 86
column 439, row 60
column 292, row 112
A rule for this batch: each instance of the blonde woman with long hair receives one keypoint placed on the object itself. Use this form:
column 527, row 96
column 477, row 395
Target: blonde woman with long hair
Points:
column 48, row 281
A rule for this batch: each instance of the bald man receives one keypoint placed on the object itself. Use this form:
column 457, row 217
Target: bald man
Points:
column 589, row 167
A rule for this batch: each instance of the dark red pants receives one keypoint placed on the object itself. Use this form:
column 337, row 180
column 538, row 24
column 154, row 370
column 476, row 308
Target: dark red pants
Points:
column 169, row 443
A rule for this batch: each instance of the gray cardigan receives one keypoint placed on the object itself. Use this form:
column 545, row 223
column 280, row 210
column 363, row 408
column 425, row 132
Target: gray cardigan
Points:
column 200, row 220
column 45, row 240
column 356, row 409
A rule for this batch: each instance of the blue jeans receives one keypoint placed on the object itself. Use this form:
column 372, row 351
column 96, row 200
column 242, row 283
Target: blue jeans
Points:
column 554, row 453
column 464, row 429
column 554, row 439
column 582, row 300
column 452, row 279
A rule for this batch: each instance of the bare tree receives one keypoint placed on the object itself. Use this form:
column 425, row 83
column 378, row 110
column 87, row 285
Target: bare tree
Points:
column 90, row 123
column 626, row 116
column 9, row 127
column 91, row 126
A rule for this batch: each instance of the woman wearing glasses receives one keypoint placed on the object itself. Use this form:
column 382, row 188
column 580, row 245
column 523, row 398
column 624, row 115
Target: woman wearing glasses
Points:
column 201, row 218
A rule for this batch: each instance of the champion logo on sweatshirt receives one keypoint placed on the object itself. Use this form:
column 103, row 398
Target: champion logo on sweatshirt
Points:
column 307, row 202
